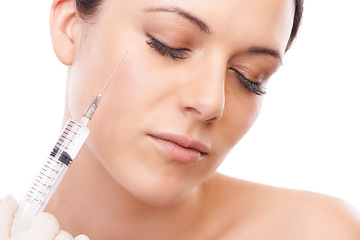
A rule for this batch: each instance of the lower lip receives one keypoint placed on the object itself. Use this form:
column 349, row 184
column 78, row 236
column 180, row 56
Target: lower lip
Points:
column 177, row 152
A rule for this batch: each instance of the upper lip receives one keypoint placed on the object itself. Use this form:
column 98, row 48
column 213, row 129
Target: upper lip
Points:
column 184, row 142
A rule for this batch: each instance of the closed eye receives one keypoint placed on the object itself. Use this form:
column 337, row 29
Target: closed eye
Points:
column 164, row 50
column 252, row 86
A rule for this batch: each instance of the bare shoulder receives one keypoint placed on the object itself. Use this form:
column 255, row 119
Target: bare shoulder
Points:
column 323, row 217
column 264, row 212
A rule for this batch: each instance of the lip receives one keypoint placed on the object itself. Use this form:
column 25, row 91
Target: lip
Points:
column 179, row 147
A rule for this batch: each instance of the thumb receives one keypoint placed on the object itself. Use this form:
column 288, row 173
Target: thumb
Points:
column 44, row 226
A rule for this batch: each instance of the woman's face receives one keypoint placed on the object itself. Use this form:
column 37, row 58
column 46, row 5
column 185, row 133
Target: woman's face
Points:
column 187, row 92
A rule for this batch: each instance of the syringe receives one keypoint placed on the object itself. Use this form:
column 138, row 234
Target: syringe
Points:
column 54, row 168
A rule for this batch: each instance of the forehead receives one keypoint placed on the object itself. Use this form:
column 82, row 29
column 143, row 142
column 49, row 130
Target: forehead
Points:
column 254, row 21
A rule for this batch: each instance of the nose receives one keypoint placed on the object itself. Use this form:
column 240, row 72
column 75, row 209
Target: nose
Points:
column 202, row 96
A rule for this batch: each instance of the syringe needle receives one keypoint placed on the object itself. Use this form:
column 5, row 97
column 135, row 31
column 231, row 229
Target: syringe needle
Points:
column 95, row 103
column 112, row 75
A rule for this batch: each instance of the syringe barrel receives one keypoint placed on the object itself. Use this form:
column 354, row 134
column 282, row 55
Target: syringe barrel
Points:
column 52, row 171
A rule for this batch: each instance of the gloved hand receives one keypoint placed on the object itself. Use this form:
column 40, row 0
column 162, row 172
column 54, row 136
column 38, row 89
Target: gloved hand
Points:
column 43, row 227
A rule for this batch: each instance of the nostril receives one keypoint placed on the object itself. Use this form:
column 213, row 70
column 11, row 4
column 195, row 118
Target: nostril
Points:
column 192, row 111
column 203, row 116
column 213, row 119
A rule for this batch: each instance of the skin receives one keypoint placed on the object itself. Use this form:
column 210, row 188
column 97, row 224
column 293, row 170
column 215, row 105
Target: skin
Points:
column 121, row 185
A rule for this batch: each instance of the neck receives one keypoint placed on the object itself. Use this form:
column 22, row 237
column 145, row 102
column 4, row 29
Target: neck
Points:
column 90, row 201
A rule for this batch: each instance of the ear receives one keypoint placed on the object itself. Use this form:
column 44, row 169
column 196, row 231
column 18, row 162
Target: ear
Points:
column 63, row 20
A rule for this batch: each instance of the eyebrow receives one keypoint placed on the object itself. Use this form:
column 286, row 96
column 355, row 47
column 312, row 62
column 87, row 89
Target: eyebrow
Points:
column 203, row 26
column 266, row 51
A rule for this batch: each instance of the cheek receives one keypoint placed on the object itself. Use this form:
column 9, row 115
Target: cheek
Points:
column 132, row 93
column 125, row 100
column 97, row 59
column 240, row 113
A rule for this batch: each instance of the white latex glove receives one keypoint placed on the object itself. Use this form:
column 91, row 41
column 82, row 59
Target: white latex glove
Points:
column 43, row 227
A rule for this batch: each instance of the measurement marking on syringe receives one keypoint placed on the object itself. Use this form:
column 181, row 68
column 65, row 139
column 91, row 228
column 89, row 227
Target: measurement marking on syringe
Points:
column 74, row 123
column 51, row 169
column 71, row 131
column 40, row 183
column 61, row 146
column 58, row 146
column 56, row 161
column 48, row 167
column 63, row 139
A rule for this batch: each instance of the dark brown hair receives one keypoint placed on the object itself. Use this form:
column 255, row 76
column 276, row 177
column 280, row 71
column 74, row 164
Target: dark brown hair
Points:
column 299, row 8
column 88, row 8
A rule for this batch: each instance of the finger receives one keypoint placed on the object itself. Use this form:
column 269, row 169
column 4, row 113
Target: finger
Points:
column 8, row 207
column 62, row 235
column 82, row 237
column 43, row 227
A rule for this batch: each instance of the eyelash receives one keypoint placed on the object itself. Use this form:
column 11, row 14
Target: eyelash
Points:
column 164, row 50
column 178, row 53
column 254, row 87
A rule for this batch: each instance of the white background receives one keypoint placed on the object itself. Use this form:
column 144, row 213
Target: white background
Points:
column 307, row 136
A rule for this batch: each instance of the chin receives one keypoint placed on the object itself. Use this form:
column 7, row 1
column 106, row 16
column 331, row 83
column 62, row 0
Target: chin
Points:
column 162, row 201
column 162, row 193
